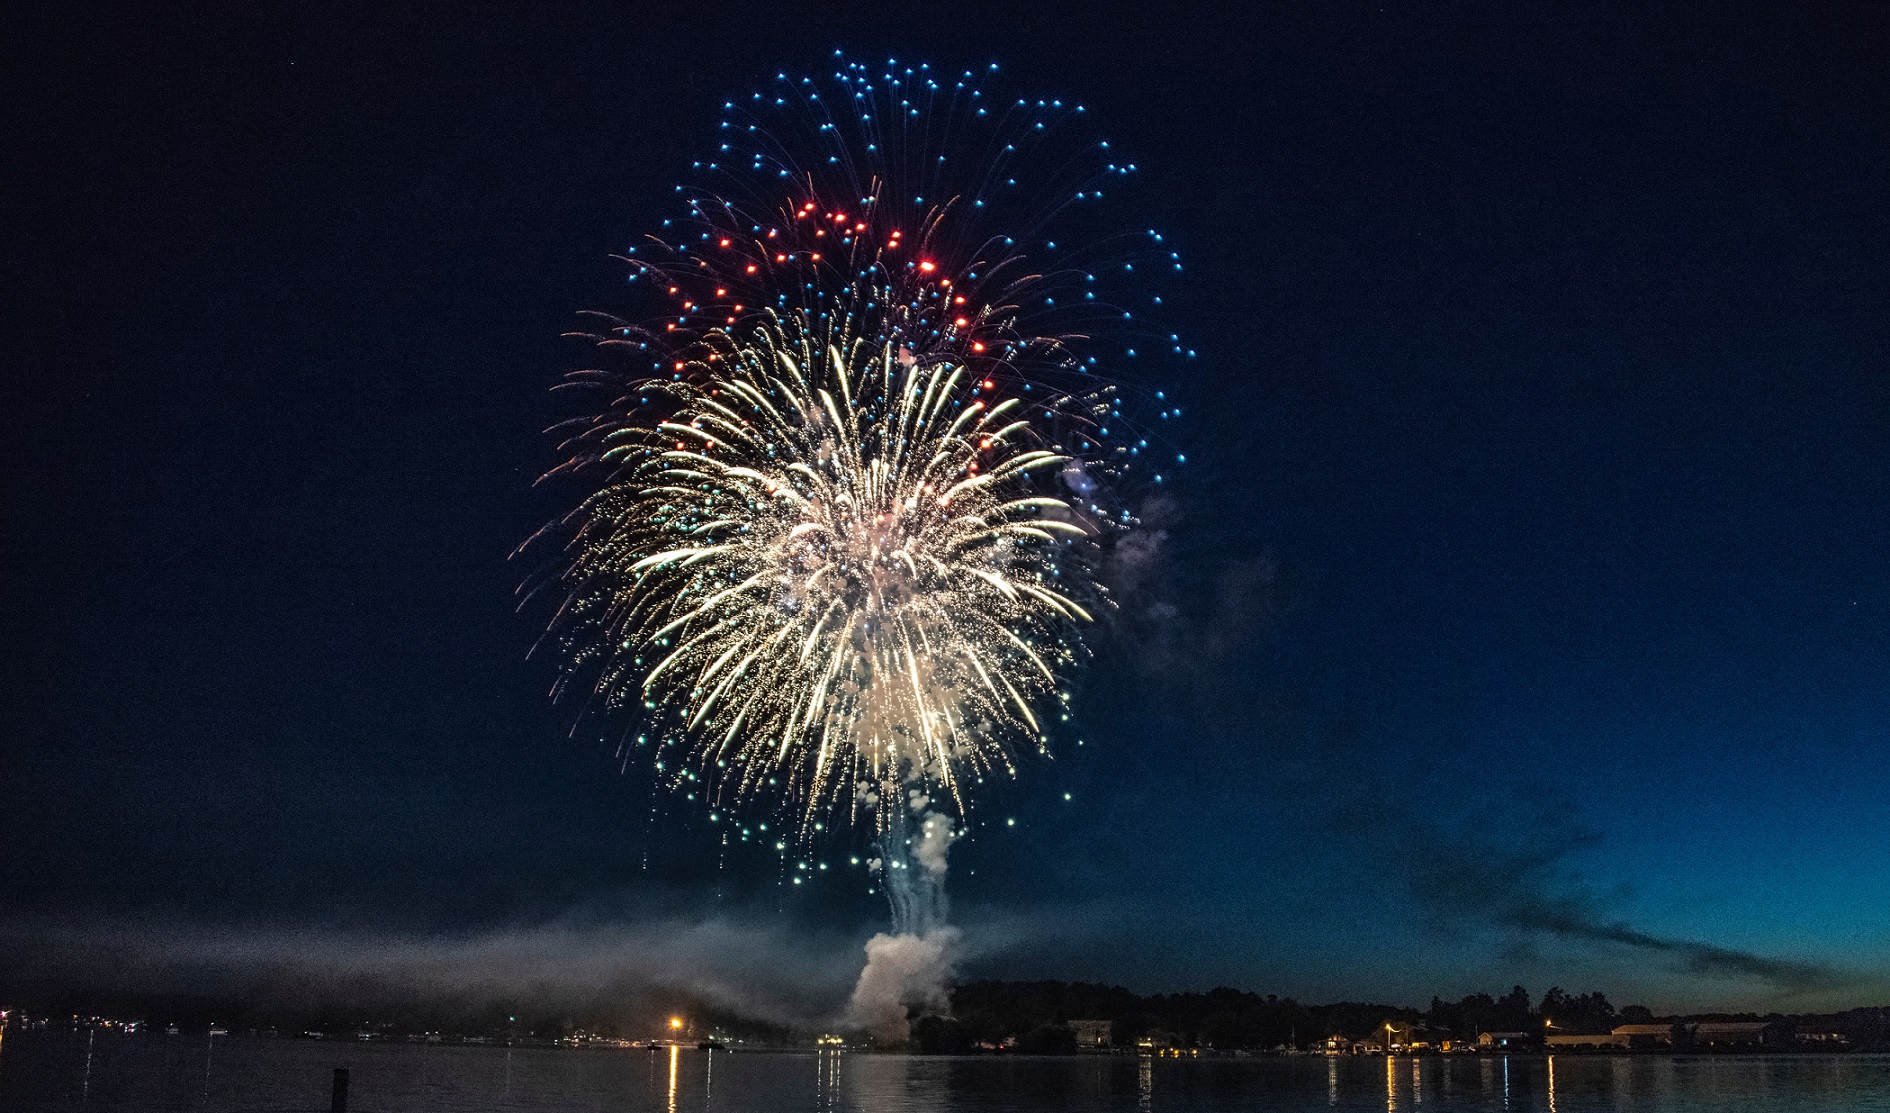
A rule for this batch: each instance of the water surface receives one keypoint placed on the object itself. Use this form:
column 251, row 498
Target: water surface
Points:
column 70, row 1071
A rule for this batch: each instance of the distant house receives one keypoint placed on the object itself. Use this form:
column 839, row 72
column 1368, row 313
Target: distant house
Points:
column 1090, row 1034
column 1740, row 1033
column 1647, row 1035
column 1406, row 1038
column 1507, row 1041
column 1585, row 1041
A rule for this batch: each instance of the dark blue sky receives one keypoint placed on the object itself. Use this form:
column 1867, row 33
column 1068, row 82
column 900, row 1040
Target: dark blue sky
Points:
column 1530, row 608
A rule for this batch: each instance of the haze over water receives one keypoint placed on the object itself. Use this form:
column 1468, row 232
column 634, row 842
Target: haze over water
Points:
column 44, row 1072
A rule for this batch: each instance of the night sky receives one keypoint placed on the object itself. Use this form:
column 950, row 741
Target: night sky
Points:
column 1523, row 617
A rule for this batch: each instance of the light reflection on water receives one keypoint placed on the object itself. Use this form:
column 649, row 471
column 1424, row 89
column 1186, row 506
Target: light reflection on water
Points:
column 105, row 1071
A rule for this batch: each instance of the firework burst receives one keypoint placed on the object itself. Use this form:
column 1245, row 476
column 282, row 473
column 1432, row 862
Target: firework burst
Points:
column 847, row 518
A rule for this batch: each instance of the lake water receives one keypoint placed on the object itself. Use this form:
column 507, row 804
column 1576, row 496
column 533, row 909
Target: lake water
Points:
column 48, row 1071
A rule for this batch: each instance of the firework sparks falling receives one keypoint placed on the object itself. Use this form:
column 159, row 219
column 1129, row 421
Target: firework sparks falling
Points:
column 832, row 566
column 846, row 521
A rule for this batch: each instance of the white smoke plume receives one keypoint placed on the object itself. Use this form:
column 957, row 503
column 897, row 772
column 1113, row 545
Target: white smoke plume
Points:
column 751, row 968
column 903, row 972
column 935, row 838
column 910, row 967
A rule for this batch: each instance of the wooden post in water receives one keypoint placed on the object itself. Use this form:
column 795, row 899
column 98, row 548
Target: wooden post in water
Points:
column 338, row 1097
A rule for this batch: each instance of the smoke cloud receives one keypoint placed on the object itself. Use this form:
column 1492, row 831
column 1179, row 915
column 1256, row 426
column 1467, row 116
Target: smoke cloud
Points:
column 935, row 838
column 909, row 968
column 778, row 974
column 753, row 969
column 1187, row 629
column 903, row 973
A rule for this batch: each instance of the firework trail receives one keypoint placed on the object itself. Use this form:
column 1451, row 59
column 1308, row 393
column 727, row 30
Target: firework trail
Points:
column 847, row 510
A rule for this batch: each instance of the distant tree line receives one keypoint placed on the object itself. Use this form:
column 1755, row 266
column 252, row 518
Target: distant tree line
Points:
column 1037, row 1016
column 1031, row 1017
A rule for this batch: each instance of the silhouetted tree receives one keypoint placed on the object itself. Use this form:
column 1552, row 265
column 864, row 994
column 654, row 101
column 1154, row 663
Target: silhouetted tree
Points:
column 1590, row 1012
column 938, row 1035
column 1512, row 1012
